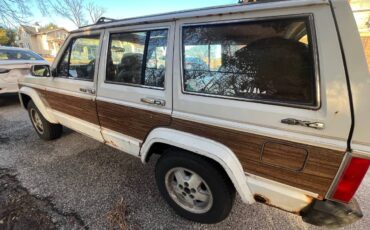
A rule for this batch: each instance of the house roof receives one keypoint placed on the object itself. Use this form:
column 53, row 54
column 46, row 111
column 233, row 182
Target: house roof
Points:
column 52, row 30
column 29, row 29
column 32, row 30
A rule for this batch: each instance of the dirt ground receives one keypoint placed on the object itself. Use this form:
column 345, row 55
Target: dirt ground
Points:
column 21, row 210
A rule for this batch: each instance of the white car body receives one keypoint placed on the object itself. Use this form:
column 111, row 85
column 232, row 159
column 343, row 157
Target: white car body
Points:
column 12, row 70
column 212, row 126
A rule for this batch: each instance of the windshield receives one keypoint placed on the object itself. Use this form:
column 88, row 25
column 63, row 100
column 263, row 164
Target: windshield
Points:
column 18, row 55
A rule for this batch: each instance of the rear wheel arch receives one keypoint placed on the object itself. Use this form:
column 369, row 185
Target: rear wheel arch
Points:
column 161, row 149
column 161, row 139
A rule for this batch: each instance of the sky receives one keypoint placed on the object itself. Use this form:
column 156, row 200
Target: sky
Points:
column 119, row 9
column 130, row 8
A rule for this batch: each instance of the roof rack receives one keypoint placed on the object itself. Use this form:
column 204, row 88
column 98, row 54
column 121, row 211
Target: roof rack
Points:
column 258, row 1
column 102, row 20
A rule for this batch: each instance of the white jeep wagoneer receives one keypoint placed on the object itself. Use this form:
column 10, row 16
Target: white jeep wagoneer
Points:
column 269, row 100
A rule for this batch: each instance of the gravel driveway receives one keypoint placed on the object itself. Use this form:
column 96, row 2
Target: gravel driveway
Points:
column 82, row 176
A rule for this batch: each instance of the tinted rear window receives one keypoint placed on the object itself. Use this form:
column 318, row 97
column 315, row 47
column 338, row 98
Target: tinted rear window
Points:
column 18, row 55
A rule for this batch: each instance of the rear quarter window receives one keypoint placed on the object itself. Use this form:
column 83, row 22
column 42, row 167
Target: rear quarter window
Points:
column 265, row 60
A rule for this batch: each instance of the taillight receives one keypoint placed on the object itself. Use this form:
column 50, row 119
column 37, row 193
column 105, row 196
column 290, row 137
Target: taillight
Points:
column 351, row 179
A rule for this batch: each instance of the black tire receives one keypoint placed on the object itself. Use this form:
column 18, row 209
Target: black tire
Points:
column 220, row 186
column 49, row 131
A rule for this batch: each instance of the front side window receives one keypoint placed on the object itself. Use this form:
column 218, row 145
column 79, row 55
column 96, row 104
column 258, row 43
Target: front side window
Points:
column 268, row 60
column 78, row 60
column 137, row 58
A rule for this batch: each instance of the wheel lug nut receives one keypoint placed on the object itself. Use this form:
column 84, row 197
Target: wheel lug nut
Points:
column 180, row 186
column 186, row 184
column 191, row 196
column 184, row 193
column 193, row 190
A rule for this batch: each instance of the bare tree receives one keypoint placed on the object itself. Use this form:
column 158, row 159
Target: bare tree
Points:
column 13, row 12
column 95, row 12
column 71, row 9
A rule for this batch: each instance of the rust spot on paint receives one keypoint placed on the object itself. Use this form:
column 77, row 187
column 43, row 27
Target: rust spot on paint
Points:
column 309, row 199
column 261, row 199
column 110, row 142
column 264, row 200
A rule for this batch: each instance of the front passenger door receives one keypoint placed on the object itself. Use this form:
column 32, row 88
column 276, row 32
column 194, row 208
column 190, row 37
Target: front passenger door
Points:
column 71, row 92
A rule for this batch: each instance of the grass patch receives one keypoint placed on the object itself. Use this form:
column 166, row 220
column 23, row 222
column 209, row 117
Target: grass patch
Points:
column 118, row 216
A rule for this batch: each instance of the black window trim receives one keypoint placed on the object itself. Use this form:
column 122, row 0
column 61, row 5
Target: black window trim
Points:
column 69, row 47
column 311, row 33
column 147, row 31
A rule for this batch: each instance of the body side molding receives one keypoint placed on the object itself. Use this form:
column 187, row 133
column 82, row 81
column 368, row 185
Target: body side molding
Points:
column 205, row 147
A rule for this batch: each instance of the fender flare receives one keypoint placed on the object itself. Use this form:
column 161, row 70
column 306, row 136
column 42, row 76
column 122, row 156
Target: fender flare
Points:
column 35, row 97
column 205, row 147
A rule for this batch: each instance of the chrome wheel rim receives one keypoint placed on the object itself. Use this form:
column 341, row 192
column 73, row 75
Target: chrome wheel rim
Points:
column 188, row 190
column 37, row 122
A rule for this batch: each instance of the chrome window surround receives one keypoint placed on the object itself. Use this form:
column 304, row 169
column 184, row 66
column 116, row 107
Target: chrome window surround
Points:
column 312, row 33
column 132, row 31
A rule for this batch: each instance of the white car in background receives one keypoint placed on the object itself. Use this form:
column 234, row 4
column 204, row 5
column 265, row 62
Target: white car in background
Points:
column 15, row 63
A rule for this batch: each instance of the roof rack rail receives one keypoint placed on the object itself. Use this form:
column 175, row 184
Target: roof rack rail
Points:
column 258, row 1
column 104, row 20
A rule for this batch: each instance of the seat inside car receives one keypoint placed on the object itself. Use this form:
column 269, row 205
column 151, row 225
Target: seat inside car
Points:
column 129, row 70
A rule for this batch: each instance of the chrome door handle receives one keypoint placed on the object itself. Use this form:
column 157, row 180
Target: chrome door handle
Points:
column 309, row 124
column 153, row 101
column 83, row 90
column 91, row 91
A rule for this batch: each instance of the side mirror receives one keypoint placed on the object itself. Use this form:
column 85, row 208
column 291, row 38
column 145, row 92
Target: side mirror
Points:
column 40, row 70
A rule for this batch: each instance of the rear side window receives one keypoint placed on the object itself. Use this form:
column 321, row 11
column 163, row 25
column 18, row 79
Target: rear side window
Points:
column 268, row 60
column 18, row 55
column 137, row 58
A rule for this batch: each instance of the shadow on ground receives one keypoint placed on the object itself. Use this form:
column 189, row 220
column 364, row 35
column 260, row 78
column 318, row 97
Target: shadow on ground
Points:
column 8, row 99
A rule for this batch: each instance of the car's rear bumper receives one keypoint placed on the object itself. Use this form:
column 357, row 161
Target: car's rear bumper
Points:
column 331, row 214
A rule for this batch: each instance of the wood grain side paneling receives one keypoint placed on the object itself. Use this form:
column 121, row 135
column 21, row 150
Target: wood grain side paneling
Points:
column 128, row 120
column 81, row 108
column 316, row 176
column 303, row 166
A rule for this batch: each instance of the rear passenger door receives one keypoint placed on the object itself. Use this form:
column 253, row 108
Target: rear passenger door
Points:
column 240, row 77
column 134, row 93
